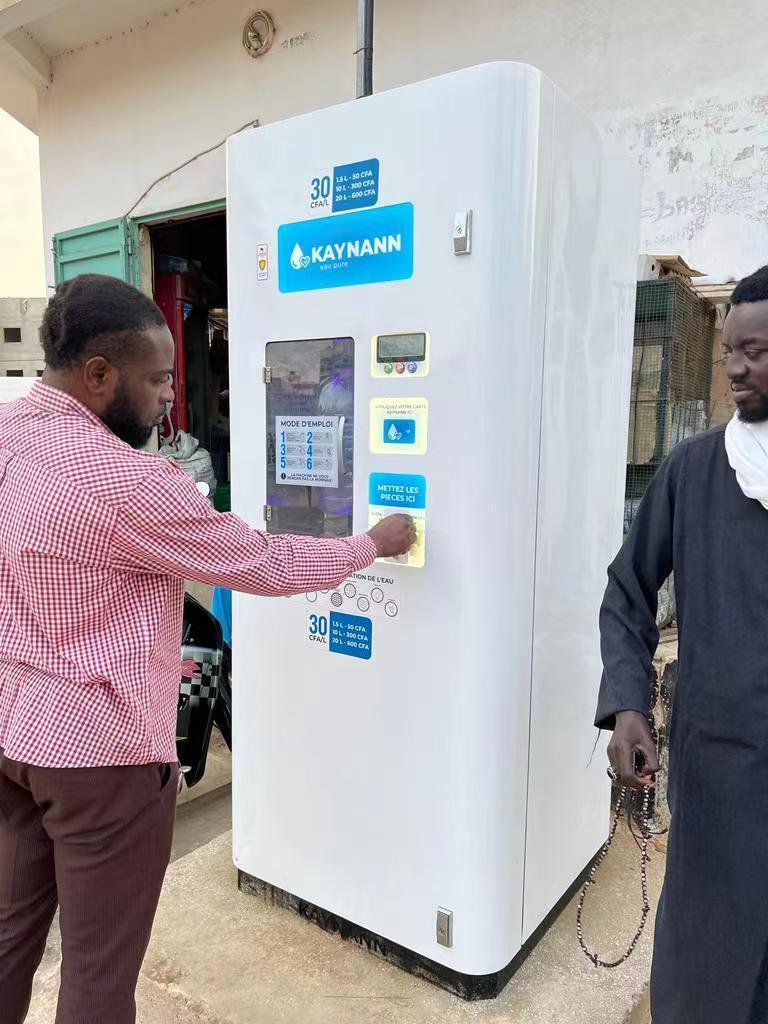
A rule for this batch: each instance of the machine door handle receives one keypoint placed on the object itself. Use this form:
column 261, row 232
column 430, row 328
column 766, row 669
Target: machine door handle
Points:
column 340, row 446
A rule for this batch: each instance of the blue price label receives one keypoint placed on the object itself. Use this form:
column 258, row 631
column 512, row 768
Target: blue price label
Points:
column 355, row 186
column 351, row 635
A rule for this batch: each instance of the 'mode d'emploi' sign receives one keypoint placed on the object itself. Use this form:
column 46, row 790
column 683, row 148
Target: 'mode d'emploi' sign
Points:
column 307, row 450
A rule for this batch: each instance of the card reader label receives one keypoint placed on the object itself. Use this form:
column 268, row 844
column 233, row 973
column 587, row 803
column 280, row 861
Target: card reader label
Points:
column 399, row 426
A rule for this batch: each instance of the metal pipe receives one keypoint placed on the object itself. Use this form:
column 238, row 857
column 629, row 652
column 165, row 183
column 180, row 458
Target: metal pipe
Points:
column 364, row 50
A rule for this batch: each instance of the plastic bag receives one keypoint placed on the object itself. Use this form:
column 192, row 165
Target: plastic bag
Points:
column 186, row 452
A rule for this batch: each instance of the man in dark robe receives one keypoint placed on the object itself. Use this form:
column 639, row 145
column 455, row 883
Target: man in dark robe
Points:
column 705, row 517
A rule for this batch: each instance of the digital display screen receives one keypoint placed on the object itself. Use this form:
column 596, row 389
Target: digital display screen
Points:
column 392, row 348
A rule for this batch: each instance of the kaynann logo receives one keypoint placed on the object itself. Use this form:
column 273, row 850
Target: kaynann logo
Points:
column 298, row 260
column 352, row 248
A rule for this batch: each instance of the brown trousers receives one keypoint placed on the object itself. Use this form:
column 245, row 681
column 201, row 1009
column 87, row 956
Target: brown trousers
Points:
column 96, row 842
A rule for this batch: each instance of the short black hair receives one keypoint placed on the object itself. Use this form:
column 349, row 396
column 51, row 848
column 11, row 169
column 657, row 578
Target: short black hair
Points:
column 752, row 289
column 96, row 315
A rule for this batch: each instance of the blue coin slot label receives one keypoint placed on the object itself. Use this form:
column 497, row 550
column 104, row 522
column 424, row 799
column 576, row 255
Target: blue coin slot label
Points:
column 401, row 491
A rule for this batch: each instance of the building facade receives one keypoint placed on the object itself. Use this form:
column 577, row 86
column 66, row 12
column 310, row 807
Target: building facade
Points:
column 130, row 100
column 21, row 354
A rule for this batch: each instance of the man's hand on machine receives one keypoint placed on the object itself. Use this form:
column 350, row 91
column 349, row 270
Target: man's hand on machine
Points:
column 393, row 536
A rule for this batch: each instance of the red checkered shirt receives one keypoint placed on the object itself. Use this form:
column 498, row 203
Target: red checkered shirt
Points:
column 96, row 541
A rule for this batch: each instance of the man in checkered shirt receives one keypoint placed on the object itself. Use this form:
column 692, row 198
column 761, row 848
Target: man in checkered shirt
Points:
column 97, row 538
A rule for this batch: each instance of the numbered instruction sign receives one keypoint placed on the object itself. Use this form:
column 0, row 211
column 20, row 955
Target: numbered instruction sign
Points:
column 307, row 450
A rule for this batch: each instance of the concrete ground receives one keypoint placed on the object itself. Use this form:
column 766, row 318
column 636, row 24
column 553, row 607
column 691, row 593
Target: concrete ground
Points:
column 642, row 1014
column 204, row 813
column 221, row 957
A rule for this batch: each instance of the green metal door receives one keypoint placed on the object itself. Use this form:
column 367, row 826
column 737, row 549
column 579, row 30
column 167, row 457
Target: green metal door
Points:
column 96, row 249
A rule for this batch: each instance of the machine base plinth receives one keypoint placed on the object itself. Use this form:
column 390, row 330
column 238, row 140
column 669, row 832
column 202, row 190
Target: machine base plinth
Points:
column 466, row 986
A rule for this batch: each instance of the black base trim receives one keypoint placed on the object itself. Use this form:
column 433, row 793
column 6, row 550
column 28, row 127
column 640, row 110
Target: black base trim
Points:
column 466, row 986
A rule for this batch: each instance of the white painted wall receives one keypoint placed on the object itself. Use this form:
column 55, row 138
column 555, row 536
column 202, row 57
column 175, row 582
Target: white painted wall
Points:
column 27, row 356
column 705, row 178
column 660, row 77
column 21, row 226
column 120, row 114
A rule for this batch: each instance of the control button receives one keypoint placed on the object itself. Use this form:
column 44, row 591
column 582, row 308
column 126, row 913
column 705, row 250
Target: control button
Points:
column 312, row 596
column 400, row 367
column 388, row 367
column 363, row 604
column 325, row 591
column 391, row 609
column 377, row 595
column 412, row 367
column 337, row 600
column 350, row 590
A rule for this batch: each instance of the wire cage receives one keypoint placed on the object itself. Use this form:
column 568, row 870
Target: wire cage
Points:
column 671, row 378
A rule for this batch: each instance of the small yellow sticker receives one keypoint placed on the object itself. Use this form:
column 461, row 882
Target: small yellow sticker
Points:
column 415, row 557
column 262, row 261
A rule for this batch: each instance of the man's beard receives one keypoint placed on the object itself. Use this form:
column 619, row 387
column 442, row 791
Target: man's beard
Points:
column 122, row 421
column 757, row 413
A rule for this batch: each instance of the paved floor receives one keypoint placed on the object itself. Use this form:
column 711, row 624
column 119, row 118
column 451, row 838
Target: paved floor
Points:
column 199, row 819
column 642, row 1014
column 245, row 962
column 199, row 822
column 220, row 957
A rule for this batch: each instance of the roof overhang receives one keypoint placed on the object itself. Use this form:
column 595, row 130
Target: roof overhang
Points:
column 33, row 33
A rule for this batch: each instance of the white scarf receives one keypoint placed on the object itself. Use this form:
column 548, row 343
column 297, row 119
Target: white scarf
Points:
column 746, row 445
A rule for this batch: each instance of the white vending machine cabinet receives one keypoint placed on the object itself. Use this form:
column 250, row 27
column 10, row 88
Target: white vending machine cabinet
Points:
column 431, row 304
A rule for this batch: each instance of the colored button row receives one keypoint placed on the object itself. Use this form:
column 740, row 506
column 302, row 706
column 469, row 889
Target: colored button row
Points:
column 401, row 367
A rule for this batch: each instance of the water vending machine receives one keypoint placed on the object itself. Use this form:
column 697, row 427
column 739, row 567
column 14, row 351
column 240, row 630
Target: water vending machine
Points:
column 431, row 301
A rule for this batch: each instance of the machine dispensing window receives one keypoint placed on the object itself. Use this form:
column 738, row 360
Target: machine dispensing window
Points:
column 310, row 434
column 394, row 348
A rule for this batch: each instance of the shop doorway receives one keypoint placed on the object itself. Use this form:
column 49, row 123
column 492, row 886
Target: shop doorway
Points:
column 188, row 259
